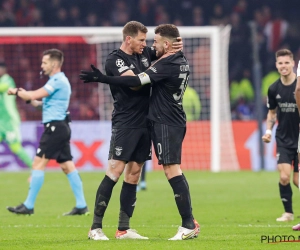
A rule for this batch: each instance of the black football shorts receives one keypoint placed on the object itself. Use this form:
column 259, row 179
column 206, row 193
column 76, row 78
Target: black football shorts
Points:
column 289, row 156
column 55, row 142
column 130, row 144
column 167, row 141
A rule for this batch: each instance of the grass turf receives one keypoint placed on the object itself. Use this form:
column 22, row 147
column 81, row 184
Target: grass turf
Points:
column 234, row 209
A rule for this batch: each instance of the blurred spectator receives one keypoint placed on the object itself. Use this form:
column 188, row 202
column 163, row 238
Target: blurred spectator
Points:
column 161, row 16
column 62, row 18
column 86, row 112
column 241, row 8
column 50, row 10
column 239, row 46
column 266, row 12
column 242, row 88
column 24, row 13
column 144, row 12
column 242, row 96
column 93, row 103
column 198, row 17
column 267, row 81
column 292, row 39
column 191, row 104
column 37, row 19
column 242, row 111
column 91, row 20
column 6, row 20
column 75, row 16
column 275, row 31
column 177, row 22
column 74, row 105
column 258, row 24
column 120, row 13
column 218, row 16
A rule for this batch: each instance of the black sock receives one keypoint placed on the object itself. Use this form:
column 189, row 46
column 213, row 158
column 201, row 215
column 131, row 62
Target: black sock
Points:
column 127, row 203
column 286, row 197
column 187, row 184
column 102, row 199
column 182, row 194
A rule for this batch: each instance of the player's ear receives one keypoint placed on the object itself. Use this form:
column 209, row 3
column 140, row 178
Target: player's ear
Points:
column 128, row 38
column 167, row 44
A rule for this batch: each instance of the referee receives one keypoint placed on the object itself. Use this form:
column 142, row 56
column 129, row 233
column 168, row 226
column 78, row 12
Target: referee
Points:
column 55, row 141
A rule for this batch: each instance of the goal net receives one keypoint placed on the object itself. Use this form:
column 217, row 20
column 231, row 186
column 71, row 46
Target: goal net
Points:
column 209, row 142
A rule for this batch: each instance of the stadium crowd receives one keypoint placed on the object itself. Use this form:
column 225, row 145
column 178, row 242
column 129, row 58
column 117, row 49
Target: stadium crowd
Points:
column 275, row 21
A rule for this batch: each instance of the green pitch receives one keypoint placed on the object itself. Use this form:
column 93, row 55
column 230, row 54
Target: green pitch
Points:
column 234, row 210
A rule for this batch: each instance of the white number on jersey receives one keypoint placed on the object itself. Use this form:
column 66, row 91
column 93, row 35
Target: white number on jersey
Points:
column 178, row 96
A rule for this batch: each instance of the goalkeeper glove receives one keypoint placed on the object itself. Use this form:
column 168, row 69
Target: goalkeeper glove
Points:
column 92, row 76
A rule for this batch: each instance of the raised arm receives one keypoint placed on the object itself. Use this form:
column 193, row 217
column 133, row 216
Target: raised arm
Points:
column 129, row 81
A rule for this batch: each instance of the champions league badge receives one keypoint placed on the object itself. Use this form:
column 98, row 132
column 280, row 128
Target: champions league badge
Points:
column 120, row 63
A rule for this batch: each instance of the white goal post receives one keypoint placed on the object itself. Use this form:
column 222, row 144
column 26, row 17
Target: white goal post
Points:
column 210, row 142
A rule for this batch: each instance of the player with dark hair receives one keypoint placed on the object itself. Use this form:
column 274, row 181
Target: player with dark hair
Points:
column 297, row 96
column 10, row 118
column 168, row 77
column 129, row 123
column 55, row 141
column 282, row 106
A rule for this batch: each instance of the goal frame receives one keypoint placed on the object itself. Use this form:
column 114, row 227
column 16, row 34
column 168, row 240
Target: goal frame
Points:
column 94, row 35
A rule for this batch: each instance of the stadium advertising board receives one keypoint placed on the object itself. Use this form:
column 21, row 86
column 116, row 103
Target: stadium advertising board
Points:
column 90, row 145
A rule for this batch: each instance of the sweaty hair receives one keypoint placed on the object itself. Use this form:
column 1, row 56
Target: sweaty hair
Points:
column 132, row 28
column 284, row 52
column 55, row 54
column 169, row 31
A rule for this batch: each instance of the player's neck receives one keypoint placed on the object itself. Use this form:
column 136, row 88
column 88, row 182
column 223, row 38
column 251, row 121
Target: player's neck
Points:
column 289, row 79
column 55, row 71
column 126, row 49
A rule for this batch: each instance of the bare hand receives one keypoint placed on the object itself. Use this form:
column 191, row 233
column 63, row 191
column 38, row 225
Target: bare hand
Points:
column 266, row 138
column 178, row 46
column 12, row 91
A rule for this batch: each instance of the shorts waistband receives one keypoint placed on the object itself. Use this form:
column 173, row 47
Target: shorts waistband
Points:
column 46, row 124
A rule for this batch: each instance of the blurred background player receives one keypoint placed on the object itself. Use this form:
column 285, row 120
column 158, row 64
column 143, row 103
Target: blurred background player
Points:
column 191, row 104
column 297, row 96
column 10, row 118
column 142, row 183
column 55, row 141
column 282, row 107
